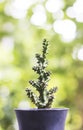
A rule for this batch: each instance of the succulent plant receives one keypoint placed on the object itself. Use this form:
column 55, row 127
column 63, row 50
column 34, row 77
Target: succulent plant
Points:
column 45, row 97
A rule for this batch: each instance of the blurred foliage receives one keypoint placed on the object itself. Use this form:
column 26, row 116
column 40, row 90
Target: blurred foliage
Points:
column 19, row 41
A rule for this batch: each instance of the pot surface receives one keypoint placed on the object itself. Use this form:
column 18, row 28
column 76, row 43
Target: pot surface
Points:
column 41, row 119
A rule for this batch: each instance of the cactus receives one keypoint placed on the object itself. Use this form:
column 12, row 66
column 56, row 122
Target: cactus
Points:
column 45, row 97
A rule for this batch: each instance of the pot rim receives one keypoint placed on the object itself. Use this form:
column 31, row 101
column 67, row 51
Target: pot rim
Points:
column 41, row 109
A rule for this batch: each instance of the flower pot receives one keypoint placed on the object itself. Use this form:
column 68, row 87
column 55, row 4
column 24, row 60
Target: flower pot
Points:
column 41, row 119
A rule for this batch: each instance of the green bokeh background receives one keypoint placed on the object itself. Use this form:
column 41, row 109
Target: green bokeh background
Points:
column 19, row 41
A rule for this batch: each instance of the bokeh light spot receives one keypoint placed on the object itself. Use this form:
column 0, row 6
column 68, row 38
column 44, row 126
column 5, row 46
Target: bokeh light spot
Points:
column 67, row 28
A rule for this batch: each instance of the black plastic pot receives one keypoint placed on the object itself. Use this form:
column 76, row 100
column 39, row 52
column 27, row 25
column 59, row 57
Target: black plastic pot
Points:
column 41, row 119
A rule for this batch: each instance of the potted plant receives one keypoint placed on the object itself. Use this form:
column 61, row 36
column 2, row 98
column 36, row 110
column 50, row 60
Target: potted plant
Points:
column 43, row 117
